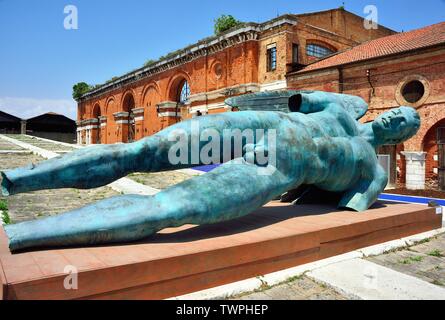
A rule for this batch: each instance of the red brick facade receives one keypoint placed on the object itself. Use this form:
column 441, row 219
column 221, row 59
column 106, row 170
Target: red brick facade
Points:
column 145, row 101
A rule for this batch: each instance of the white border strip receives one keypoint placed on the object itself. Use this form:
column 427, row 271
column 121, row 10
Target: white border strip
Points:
column 75, row 146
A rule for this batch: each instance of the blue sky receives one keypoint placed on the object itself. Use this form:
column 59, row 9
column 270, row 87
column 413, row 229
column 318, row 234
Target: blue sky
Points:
column 40, row 60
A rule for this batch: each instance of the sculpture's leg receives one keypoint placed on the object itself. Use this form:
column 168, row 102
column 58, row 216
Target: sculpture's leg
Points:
column 228, row 192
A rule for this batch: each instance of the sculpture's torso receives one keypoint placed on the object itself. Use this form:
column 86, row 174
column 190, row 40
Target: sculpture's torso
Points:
column 336, row 154
column 322, row 148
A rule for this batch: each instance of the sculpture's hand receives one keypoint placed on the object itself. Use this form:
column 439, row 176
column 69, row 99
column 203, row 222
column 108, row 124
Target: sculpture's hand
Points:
column 366, row 191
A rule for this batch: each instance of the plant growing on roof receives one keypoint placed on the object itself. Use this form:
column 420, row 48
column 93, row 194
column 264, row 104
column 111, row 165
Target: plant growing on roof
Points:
column 79, row 89
column 224, row 23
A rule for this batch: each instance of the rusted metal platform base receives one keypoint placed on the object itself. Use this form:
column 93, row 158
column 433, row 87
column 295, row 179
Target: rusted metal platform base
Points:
column 192, row 258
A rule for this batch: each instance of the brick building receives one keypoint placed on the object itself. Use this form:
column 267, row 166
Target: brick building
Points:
column 196, row 80
column 402, row 69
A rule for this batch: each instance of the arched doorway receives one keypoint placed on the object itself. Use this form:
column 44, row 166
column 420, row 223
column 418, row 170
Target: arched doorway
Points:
column 128, row 106
column 96, row 115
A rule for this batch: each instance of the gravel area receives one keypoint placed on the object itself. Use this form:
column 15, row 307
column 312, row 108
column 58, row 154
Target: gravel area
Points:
column 160, row 180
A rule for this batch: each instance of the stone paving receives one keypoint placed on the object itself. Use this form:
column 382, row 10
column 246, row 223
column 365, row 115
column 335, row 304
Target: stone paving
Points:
column 160, row 180
column 425, row 260
column 33, row 205
column 301, row 288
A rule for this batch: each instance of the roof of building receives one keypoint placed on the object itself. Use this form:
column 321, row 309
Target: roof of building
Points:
column 7, row 117
column 398, row 43
column 51, row 116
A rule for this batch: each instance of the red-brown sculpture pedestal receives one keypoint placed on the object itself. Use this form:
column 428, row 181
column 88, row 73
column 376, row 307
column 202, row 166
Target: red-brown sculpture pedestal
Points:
column 192, row 258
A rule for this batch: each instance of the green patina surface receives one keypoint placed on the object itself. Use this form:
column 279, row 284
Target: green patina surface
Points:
column 318, row 141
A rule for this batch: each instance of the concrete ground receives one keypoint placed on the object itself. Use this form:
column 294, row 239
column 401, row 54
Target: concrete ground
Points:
column 420, row 266
column 425, row 260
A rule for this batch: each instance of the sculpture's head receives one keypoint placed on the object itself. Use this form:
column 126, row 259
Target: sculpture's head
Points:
column 396, row 125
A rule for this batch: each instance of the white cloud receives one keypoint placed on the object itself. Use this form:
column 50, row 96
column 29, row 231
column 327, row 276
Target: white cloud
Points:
column 26, row 108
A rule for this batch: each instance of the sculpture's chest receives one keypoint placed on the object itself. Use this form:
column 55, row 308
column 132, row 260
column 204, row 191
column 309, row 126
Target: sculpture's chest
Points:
column 340, row 161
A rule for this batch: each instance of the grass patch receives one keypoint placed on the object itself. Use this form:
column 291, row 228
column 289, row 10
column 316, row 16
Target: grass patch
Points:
column 5, row 217
column 411, row 260
column 264, row 286
column 416, row 258
column 4, row 209
column 294, row 278
column 436, row 253
column 405, row 261
column 422, row 241
column 138, row 180
column 3, row 205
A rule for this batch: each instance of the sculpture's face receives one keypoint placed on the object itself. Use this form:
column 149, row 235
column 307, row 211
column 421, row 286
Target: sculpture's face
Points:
column 396, row 125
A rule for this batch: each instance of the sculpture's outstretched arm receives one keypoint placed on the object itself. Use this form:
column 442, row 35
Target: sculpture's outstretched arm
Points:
column 83, row 169
column 230, row 191
column 99, row 165
column 299, row 101
column 366, row 191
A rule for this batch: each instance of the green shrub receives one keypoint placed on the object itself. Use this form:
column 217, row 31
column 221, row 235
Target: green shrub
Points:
column 224, row 23
column 79, row 89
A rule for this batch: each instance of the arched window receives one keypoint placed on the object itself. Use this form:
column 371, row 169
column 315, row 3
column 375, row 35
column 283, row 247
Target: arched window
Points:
column 184, row 92
column 319, row 51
